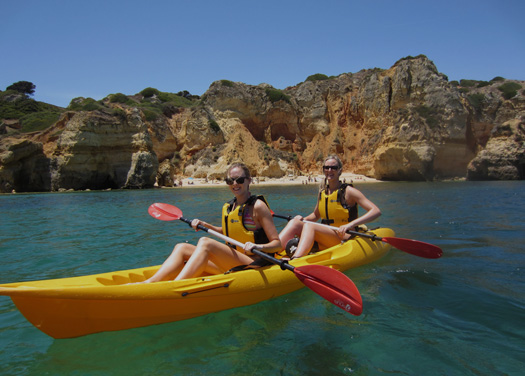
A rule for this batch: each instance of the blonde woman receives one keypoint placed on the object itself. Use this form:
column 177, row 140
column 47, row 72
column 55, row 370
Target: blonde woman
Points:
column 337, row 205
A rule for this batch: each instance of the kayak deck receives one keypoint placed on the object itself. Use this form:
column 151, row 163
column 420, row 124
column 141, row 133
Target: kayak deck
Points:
column 76, row 306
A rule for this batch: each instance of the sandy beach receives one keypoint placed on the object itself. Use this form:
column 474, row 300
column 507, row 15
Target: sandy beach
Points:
column 287, row 180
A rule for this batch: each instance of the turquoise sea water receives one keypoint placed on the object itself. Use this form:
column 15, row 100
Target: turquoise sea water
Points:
column 463, row 314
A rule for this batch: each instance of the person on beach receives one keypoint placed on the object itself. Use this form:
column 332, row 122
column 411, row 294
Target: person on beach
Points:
column 246, row 218
column 337, row 205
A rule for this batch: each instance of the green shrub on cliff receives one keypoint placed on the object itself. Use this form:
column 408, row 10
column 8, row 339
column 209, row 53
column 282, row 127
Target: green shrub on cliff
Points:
column 483, row 83
column 509, row 89
column 214, row 126
column 317, row 77
column 120, row 98
column 409, row 57
column 33, row 115
column 167, row 105
column 149, row 92
column 227, row 83
column 176, row 99
column 476, row 101
column 276, row 95
column 429, row 114
column 17, row 109
column 85, row 104
column 38, row 121
column 468, row 83
column 151, row 114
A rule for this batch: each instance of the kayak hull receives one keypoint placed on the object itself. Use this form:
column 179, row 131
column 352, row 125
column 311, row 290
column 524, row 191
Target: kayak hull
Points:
column 77, row 306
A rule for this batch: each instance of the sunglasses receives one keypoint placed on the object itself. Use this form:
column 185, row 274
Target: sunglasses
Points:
column 238, row 180
column 326, row 168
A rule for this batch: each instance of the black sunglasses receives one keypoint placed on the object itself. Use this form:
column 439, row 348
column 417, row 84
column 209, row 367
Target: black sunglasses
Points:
column 238, row 180
column 326, row 168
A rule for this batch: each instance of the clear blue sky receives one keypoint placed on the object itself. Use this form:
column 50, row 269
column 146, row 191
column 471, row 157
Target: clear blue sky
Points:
column 94, row 48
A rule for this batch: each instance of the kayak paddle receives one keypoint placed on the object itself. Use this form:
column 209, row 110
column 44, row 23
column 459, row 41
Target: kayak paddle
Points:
column 328, row 283
column 414, row 247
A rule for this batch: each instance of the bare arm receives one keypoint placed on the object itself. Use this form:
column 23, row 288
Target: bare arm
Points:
column 315, row 215
column 354, row 196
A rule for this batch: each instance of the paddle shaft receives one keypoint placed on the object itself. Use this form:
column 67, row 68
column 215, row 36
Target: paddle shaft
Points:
column 282, row 264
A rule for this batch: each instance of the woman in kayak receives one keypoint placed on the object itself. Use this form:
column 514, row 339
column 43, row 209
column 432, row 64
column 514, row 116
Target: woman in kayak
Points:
column 246, row 218
column 337, row 206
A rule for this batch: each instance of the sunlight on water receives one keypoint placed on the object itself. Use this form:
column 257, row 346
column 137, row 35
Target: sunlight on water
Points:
column 462, row 314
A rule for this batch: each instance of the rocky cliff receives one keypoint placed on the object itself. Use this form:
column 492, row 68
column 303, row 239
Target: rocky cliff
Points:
column 83, row 150
column 405, row 123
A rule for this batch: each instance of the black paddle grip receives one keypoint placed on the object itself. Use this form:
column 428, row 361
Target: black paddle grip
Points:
column 188, row 221
column 287, row 217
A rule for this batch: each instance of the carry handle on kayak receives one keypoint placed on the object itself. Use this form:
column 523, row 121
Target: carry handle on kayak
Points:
column 414, row 247
column 328, row 283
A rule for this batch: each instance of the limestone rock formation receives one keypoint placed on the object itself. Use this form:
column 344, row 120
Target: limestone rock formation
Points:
column 498, row 131
column 406, row 123
column 504, row 155
column 85, row 150
column 96, row 151
column 23, row 166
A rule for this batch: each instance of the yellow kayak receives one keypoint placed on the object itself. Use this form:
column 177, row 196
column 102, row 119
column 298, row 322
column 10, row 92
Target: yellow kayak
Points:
column 73, row 307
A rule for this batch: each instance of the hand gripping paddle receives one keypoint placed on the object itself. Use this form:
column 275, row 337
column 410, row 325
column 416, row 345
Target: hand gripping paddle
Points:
column 326, row 282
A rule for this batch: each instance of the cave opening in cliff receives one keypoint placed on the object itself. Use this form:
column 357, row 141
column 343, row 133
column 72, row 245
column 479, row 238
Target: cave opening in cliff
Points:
column 521, row 170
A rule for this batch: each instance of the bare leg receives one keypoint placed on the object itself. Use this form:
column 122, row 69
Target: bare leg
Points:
column 325, row 237
column 175, row 262
column 306, row 241
column 209, row 250
column 293, row 228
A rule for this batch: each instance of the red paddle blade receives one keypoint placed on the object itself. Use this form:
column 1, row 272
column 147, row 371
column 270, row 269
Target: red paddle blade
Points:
column 332, row 285
column 415, row 247
column 164, row 212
